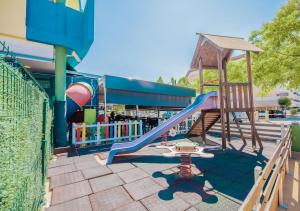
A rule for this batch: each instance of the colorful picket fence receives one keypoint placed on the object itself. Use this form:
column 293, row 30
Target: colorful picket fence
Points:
column 106, row 133
column 109, row 133
column 183, row 127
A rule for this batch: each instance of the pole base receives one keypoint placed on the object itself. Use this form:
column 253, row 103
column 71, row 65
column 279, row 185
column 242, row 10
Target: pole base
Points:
column 60, row 124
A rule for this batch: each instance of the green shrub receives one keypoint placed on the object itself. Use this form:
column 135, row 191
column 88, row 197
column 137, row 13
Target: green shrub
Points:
column 284, row 102
column 21, row 128
column 293, row 111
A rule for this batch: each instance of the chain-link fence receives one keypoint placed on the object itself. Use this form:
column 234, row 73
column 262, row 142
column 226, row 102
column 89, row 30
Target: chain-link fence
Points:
column 25, row 136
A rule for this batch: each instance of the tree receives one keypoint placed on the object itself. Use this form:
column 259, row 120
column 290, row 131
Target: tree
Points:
column 279, row 63
column 184, row 82
column 160, row 80
column 237, row 71
column 173, row 81
column 284, row 102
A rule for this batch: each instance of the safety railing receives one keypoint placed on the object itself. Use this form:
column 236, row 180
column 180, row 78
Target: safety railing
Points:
column 267, row 192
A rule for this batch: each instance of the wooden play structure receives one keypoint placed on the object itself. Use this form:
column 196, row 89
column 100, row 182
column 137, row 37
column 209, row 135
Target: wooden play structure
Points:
column 213, row 53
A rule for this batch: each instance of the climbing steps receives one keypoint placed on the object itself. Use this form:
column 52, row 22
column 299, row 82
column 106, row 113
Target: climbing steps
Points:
column 206, row 120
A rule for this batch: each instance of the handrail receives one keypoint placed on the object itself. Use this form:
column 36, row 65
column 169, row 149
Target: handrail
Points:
column 261, row 196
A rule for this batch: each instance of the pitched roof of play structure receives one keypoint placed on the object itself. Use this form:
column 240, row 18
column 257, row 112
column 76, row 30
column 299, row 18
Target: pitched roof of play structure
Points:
column 209, row 44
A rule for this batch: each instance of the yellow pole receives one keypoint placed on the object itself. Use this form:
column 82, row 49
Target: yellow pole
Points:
column 83, row 134
column 119, row 130
column 135, row 128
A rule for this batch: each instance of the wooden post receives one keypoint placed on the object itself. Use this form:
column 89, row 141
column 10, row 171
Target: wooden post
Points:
column 226, row 99
column 219, row 58
column 239, row 127
column 250, row 84
column 203, row 127
column 287, row 167
column 280, row 189
column 257, row 172
column 201, row 76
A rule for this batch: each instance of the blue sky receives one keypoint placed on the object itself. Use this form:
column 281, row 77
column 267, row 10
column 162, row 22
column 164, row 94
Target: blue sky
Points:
column 146, row 38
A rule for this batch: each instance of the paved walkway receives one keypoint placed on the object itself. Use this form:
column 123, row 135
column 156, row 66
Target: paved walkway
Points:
column 291, row 186
column 146, row 180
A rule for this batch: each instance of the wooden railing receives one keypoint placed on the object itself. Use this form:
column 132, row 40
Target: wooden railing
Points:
column 236, row 97
column 266, row 131
column 267, row 192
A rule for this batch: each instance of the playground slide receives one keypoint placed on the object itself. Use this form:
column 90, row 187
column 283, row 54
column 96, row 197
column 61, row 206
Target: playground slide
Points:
column 203, row 101
column 78, row 94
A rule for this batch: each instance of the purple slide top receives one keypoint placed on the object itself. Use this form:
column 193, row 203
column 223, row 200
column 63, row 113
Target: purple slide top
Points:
column 203, row 101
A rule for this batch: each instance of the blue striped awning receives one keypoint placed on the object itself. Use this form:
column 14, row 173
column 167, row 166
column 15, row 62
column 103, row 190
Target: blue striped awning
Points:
column 144, row 93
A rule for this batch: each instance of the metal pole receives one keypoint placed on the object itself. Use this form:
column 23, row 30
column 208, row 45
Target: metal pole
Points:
column 60, row 93
column 136, row 110
column 104, row 88
column 60, row 96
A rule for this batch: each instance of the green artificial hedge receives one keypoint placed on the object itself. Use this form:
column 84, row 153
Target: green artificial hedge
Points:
column 25, row 138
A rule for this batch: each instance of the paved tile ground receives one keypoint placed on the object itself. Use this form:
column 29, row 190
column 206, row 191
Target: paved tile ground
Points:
column 148, row 181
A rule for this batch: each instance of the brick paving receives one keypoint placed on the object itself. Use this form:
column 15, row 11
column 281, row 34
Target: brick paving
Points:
column 97, row 171
column 110, row 199
column 148, row 181
column 69, row 192
column 65, row 179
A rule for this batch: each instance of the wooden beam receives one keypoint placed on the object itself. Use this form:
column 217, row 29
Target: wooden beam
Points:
column 239, row 127
column 194, row 125
column 220, row 68
column 203, row 128
column 201, row 76
column 240, row 93
column 250, row 84
column 227, row 100
column 254, row 131
column 210, row 84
